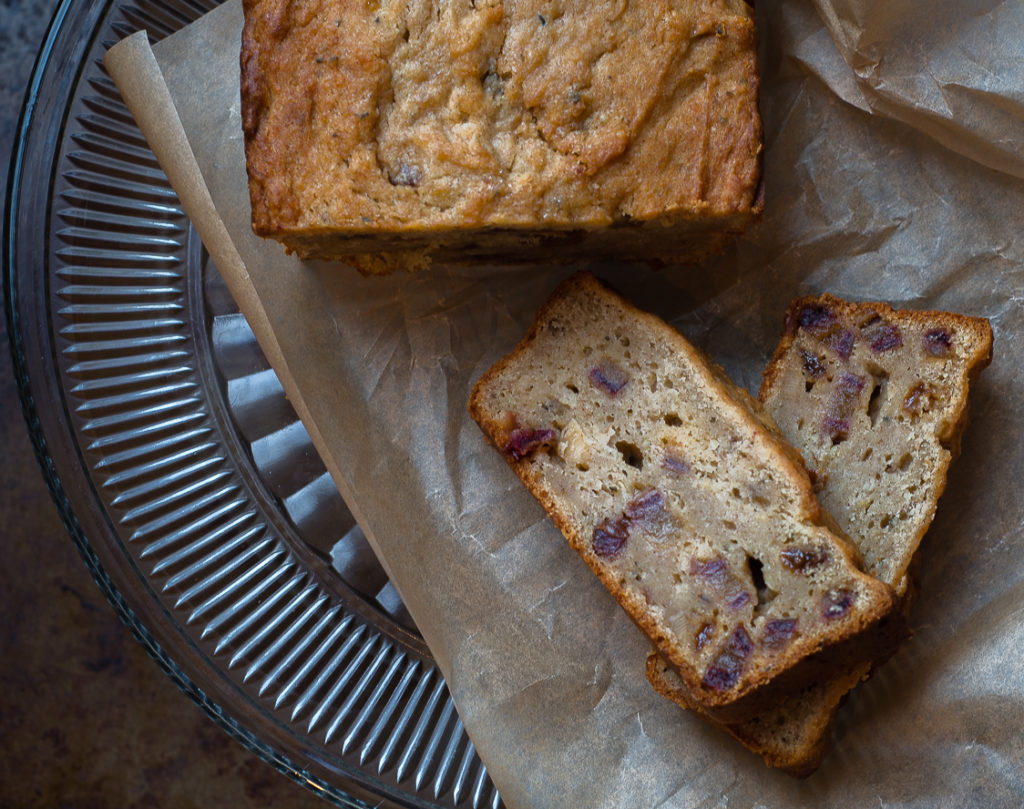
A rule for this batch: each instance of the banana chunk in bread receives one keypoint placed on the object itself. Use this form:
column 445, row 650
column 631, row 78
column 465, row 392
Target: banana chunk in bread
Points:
column 876, row 401
column 683, row 501
column 398, row 133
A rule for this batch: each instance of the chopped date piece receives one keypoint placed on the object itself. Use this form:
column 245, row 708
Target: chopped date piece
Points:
column 677, row 465
column 813, row 317
column 799, row 560
column 608, row 376
column 407, row 175
column 647, row 513
column 714, row 570
column 841, row 406
column 645, row 505
column 724, row 586
column 837, row 429
column 850, row 385
column 886, row 338
column 938, row 343
column 525, row 440
column 726, row 669
column 813, row 366
column 610, row 538
column 841, row 342
column 700, row 640
column 836, row 604
column 778, row 633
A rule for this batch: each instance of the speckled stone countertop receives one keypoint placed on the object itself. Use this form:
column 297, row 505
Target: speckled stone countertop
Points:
column 87, row 720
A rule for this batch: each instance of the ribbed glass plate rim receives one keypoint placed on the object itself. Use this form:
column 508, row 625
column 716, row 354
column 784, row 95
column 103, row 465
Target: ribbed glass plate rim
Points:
column 37, row 359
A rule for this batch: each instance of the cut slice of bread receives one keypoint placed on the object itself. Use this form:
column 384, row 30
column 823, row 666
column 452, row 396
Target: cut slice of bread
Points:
column 681, row 497
column 876, row 401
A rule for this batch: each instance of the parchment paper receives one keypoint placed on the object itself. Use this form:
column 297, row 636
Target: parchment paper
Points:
column 895, row 152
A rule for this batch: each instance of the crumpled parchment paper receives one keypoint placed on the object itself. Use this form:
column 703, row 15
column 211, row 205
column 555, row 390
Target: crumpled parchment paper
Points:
column 894, row 165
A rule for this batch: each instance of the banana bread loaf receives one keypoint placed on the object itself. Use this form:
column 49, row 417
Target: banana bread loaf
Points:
column 695, row 515
column 391, row 134
column 876, row 400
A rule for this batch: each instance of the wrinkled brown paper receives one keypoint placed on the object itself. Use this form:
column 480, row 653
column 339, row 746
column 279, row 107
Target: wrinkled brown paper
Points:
column 894, row 165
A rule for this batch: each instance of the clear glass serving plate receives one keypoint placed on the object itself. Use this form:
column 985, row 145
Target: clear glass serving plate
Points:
column 180, row 469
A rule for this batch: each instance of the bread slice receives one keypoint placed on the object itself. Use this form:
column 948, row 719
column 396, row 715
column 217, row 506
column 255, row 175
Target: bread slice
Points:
column 876, row 400
column 701, row 522
column 398, row 133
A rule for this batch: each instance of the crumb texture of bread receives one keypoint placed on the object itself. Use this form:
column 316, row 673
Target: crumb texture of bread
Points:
column 684, row 503
column 791, row 735
column 477, row 128
column 876, row 400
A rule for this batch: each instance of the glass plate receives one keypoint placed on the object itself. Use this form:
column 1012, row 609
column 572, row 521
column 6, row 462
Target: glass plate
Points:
column 180, row 469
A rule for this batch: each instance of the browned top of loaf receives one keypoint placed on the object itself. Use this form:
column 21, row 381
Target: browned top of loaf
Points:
column 407, row 116
column 664, row 478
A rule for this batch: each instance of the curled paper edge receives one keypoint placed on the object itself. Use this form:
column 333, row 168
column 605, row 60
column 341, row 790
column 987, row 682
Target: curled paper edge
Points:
column 146, row 94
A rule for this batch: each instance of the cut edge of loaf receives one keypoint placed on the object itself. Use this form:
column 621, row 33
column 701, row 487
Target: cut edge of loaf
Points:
column 837, row 650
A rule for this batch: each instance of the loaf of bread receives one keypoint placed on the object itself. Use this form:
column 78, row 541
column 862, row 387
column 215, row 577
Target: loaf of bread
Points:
column 392, row 134
column 686, row 504
column 876, row 401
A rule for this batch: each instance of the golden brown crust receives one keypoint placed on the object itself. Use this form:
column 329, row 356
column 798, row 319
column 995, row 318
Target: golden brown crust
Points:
column 843, row 643
column 466, row 134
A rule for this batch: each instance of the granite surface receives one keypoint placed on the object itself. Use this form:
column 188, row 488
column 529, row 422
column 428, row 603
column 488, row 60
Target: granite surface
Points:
column 87, row 720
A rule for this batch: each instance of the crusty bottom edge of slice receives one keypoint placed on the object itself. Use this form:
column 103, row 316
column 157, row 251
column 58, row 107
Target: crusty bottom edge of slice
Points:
column 805, row 719
column 834, row 654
